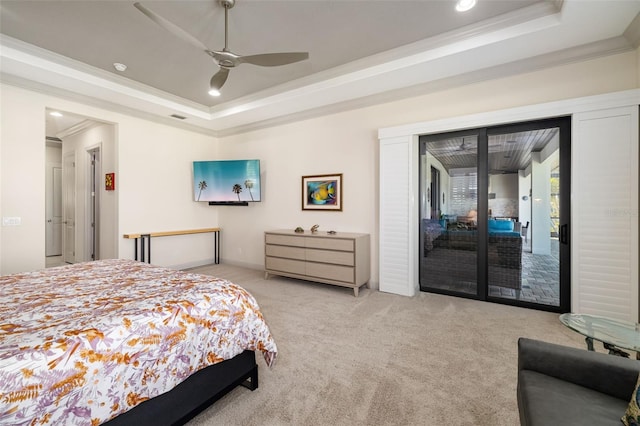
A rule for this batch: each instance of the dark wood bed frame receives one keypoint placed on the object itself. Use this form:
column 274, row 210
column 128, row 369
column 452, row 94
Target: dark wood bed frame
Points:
column 192, row 396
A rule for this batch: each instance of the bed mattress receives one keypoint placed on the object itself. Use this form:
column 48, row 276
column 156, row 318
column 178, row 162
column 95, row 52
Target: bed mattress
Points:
column 80, row 344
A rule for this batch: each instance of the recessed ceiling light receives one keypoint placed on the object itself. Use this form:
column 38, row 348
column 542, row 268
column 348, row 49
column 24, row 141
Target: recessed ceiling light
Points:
column 119, row 67
column 56, row 113
column 464, row 5
column 214, row 92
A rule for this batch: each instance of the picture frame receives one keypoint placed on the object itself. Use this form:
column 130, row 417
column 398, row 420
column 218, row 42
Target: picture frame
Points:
column 110, row 182
column 322, row 192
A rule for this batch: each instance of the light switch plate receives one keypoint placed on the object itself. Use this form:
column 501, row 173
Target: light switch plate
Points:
column 11, row 221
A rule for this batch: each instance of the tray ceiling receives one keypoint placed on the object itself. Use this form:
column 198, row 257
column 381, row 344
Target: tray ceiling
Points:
column 359, row 51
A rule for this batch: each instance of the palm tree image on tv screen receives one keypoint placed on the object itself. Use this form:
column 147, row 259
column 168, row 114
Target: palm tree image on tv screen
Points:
column 225, row 181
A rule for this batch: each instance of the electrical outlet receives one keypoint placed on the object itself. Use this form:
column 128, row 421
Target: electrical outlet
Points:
column 11, row 221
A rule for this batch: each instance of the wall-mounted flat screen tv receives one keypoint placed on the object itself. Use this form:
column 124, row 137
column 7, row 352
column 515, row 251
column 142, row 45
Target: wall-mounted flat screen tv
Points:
column 226, row 181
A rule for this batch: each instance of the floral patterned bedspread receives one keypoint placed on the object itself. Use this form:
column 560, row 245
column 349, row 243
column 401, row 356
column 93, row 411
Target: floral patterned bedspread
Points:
column 80, row 344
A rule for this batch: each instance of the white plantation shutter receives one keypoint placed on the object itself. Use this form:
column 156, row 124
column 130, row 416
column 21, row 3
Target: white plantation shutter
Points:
column 398, row 218
column 605, row 213
column 464, row 193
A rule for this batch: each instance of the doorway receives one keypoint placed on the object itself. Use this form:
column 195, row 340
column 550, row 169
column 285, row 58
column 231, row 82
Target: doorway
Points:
column 502, row 229
column 84, row 146
column 53, row 208
column 69, row 205
column 93, row 197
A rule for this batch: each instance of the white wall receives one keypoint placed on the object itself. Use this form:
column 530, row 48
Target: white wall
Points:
column 325, row 145
column 505, row 187
column 153, row 192
column 22, row 180
column 54, row 154
column 347, row 143
column 153, row 163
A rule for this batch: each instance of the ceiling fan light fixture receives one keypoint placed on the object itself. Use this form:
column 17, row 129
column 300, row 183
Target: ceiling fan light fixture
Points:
column 119, row 67
column 465, row 5
column 224, row 58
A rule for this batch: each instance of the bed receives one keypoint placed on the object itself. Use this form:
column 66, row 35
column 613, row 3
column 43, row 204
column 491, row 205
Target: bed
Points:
column 123, row 342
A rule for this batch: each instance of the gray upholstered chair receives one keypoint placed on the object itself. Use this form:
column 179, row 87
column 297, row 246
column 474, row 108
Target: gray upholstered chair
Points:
column 559, row 385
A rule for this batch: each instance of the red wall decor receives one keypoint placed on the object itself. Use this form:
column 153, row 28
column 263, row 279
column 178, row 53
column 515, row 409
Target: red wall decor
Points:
column 110, row 181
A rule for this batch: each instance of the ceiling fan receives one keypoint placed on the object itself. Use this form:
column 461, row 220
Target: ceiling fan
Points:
column 462, row 146
column 225, row 58
column 451, row 147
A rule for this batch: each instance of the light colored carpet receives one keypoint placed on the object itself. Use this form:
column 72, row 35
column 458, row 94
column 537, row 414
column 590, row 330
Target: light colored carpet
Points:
column 381, row 359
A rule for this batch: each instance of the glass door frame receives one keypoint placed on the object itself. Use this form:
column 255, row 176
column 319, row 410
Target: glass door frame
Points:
column 564, row 125
column 481, row 206
column 482, row 166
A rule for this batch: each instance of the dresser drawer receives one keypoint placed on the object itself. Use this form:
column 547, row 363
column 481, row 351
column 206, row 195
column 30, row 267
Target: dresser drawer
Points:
column 330, row 272
column 328, row 256
column 285, row 240
column 329, row 243
column 285, row 251
column 338, row 259
column 285, row 265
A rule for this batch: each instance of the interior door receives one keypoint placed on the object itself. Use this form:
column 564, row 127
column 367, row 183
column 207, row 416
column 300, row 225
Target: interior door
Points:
column 68, row 207
column 54, row 210
column 93, row 231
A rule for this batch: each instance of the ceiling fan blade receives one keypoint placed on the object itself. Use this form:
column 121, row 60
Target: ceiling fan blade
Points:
column 274, row 59
column 171, row 27
column 219, row 78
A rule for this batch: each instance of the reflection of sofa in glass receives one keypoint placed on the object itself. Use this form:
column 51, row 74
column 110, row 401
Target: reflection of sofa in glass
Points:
column 432, row 229
column 504, row 249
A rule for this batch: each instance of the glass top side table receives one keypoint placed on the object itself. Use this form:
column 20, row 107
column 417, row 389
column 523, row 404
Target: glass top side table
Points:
column 615, row 335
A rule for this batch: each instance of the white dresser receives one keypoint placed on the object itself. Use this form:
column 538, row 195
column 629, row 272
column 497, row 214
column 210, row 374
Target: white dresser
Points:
column 339, row 259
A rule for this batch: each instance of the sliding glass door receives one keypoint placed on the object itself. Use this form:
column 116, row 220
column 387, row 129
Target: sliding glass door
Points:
column 500, row 229
column 449, row 213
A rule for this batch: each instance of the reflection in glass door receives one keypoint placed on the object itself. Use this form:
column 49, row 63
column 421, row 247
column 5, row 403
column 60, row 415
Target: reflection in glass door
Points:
column 449, row 214
column 500, row 231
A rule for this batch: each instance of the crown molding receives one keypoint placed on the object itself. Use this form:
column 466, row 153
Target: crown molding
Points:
column 39, row 58
column 82, row 126
column 492, row 49
column 632, row 33
column 58, row 92
column 534, row 18
column 585, row 52
column 20, row 58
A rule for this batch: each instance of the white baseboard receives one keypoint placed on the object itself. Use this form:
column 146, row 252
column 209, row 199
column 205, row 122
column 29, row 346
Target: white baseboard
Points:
column 257, row 267
column 211, row 261
column 194, row 264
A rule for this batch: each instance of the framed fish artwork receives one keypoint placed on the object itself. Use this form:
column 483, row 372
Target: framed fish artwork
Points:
column 322, row 192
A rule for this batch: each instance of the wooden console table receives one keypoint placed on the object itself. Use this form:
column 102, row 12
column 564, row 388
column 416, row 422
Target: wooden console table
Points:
column 340, row 259
column 147, row 238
